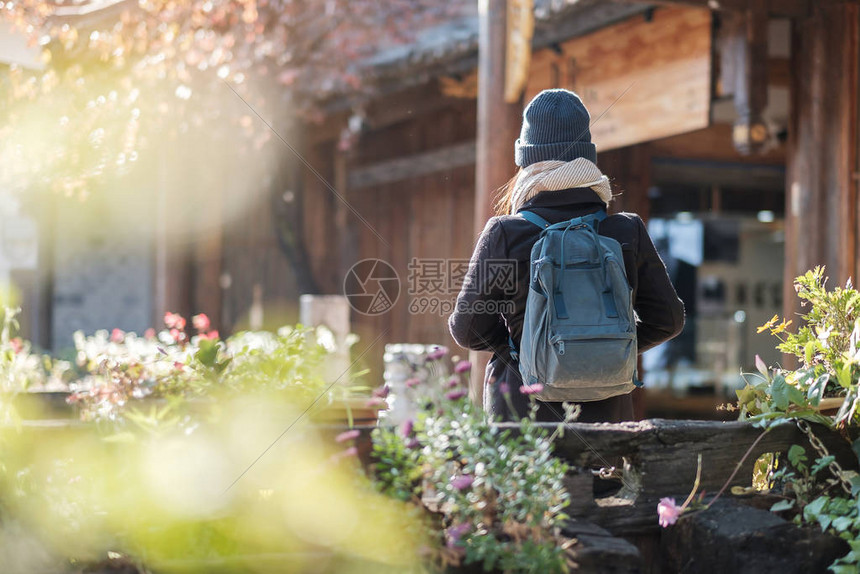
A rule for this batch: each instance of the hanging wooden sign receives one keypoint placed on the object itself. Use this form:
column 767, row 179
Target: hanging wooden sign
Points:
column 642, row 79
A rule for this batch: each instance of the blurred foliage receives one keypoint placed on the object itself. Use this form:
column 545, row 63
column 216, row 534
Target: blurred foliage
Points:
column 176, row 500
column 122, row 371
column 494, row 496
column 121, row 76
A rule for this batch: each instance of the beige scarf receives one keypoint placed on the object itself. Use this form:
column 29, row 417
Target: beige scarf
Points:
column 555, row 175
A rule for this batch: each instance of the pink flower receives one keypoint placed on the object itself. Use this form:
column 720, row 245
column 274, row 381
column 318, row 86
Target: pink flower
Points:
column 377, row 402
column 462, row 482
column 149, row 333
column 437, row 353
column 381, row 392
column 413, row 443
column 117, row 336
column 350, row 452
column 462, row 367
column 201, row 322
column 176, row 334
column 413, row 382
column 174, row 320
column 455, row 395
column 531, row 389
column 347, row 435
column 452, row 382
column 406, row 428
column 178, row 366
column 210, row 336
column 16, row 344
column 504, row 387
column 668, row 512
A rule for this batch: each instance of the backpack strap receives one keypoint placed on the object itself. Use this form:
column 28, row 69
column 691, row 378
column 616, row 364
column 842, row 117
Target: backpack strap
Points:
column 592, row 219
column 534, row 218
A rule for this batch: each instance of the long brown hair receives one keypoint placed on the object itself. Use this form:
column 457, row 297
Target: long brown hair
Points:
column 505, row 194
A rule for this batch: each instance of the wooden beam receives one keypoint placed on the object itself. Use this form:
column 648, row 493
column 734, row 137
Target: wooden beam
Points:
column 454, row 156
column 790, row 8
column 384, row 111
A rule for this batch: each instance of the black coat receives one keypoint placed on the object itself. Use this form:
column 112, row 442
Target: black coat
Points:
column 476, row 324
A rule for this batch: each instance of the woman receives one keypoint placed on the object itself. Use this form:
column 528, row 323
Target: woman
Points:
column 558, row 180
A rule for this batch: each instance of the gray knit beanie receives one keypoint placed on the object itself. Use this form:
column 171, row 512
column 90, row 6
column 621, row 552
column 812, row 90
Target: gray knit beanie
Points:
column 555, row 126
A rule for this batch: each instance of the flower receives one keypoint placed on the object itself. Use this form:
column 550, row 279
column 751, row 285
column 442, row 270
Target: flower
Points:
column 462, row 367
column 531, row 389
column 455, row 394
column 437, row 353
column 452, row 382
column 761, row 365
column 454, row 533
column 381, row 392
column 668, row 512
column 117, row 336
column 210, row 336
column 201, row 322
column 16, row 344
column 413, row 443
column 347, row 435
column 350, row 452
column 406, row 428
column 504, row 387
column 149, row 333
column 462, row 482
column 174, row 320
column 377, row 402
column 413, row 382
column 178, row 366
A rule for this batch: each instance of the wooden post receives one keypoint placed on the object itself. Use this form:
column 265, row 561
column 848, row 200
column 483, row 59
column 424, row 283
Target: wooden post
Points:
column 821, row 183
column 498, row 127
column 750, row 82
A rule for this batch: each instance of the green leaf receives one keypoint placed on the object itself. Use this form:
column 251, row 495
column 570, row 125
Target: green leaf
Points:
column 208, row 352
column 822, row 463
column 842, row 523
column 745, row 394
column 797, row 456
column 782, row 505
column 809, row 351
column 843, row 375
column 814, row 508
column 779, row 392
column 816, row 389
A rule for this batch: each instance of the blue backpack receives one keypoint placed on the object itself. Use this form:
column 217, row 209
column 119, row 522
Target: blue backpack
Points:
column 579, row 332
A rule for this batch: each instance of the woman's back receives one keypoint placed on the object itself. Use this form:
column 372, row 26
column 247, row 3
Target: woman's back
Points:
column 491, row 306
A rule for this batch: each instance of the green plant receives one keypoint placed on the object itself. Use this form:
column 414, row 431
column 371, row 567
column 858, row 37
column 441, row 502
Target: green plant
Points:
column 827, row 349
column 495, row 493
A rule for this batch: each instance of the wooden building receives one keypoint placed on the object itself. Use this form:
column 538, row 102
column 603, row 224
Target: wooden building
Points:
column 752, row 106
column 736, row 109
